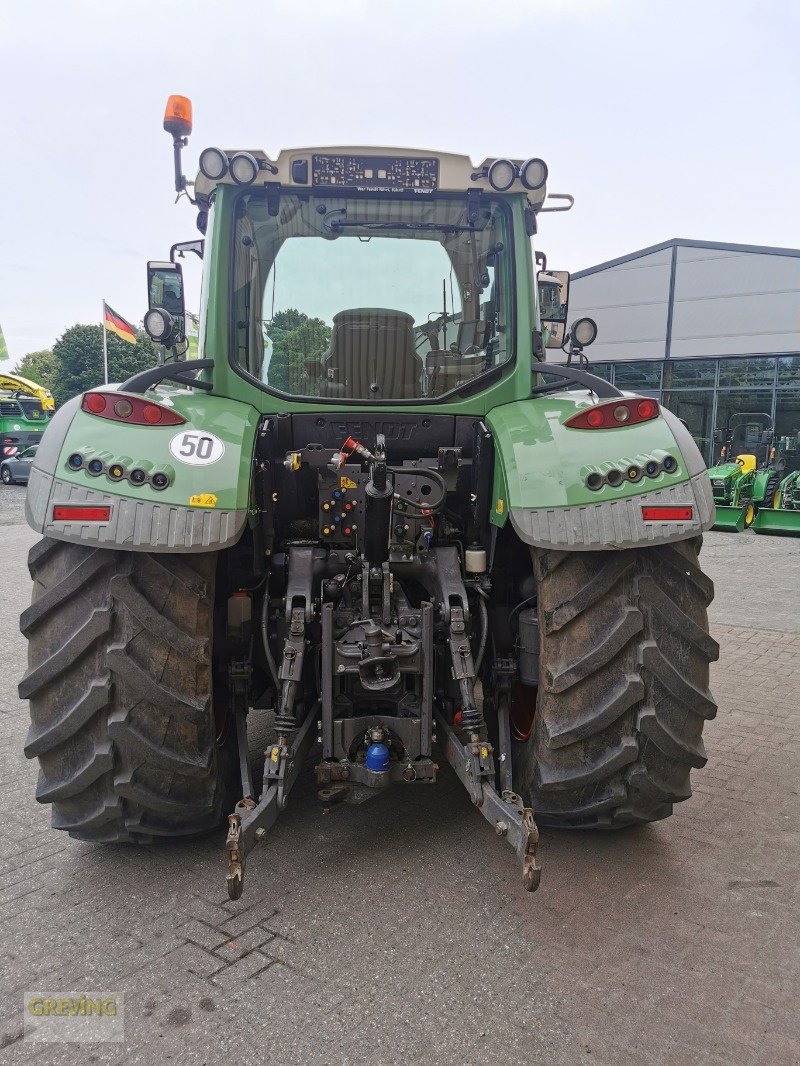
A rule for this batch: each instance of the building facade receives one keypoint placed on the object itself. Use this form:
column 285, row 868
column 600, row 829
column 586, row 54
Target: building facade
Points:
column 709, row 329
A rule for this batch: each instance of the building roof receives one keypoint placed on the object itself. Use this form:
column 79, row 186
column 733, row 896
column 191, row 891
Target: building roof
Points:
column 684, row 242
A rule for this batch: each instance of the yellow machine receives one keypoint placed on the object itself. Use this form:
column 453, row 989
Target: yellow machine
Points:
column 19, row 386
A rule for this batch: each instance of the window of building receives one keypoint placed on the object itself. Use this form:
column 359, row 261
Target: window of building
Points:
column 638, row 376
column 789, row 370
column 740, row 372
column 695, row 407
column 787, row 419
column 738, row 401
column 601, row 370
column 690, row 373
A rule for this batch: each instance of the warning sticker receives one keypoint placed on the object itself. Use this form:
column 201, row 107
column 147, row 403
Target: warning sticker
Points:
column 500, row 506
column 347, row 483
column 203, row 499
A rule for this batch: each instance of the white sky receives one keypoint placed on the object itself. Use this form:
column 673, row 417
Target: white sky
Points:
column 663, row 118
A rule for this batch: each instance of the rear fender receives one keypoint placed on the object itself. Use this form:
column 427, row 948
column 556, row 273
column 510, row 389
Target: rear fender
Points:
column 205, row 504
column 542, row 466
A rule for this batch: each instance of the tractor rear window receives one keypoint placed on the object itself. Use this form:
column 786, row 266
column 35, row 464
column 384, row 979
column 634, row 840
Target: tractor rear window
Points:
column 367, row 299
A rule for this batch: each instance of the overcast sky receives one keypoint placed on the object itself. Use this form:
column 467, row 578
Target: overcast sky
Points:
column 664, row 119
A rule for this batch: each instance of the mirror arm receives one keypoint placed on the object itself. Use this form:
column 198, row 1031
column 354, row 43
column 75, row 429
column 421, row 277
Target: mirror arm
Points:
column 603, row 389
column 178, row 372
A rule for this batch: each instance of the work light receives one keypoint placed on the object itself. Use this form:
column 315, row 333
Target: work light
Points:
column 213, row 164
column 158, row 323
column 502, row 174
column 243, row 168
column 533, row 173
column 584, row 331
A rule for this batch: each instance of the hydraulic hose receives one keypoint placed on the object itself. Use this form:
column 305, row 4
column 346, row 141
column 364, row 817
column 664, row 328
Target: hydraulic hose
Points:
column 273, row 669
column 484, row 634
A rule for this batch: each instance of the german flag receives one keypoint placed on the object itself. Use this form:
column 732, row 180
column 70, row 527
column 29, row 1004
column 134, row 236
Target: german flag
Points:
column 117, row 324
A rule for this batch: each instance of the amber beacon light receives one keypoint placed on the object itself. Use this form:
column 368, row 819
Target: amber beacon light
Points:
column 178, row 116
column 178, row 122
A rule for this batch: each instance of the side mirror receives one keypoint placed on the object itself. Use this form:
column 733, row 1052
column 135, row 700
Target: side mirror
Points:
column 165, row 321
column 553, row 287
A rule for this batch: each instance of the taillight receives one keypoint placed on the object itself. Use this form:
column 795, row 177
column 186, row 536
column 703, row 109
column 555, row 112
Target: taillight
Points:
column 74, row 513
column 131, row 409
column 667, row 514
column 615, row 413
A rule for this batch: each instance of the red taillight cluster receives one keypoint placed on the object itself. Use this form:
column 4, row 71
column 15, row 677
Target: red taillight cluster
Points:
column 615, row 413
column 131, row 409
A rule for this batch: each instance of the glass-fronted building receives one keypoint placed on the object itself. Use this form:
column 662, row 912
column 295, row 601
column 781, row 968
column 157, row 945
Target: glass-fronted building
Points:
column 709, row 329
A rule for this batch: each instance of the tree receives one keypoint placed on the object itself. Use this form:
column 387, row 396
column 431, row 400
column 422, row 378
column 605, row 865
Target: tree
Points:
column 296, row 339
column 39, row 367
column 78, row 357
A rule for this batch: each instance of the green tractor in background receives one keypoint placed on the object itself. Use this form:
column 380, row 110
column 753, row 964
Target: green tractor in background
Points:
column 781, row 514
column 749, row 475
column 372, row 512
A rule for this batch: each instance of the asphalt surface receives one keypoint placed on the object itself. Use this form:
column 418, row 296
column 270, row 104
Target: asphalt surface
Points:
column 398, row 931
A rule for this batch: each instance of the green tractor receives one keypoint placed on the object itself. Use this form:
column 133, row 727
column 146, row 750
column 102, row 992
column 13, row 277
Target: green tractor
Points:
column 371, row 511
column 749, row 473
column 781, row 514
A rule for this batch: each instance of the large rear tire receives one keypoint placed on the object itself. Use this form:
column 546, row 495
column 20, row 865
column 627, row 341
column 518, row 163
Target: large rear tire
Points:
column 120, row 690
column 623, row 685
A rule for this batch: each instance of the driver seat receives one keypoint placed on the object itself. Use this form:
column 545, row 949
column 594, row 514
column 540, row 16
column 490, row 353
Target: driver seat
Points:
column 372, row 356
column 747, row 463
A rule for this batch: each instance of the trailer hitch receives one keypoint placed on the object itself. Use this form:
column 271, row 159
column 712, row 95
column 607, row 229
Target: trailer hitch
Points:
column 248, row 824
column 512, row 820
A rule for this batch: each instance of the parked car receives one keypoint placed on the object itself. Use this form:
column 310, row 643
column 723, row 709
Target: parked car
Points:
column 16, row 468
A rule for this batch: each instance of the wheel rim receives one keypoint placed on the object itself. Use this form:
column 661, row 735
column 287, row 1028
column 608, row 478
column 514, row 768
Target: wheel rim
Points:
column 776, row 500
column 749, row 515
column 6, row 476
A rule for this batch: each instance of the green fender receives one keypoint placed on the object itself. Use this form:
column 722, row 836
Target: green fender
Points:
column 542, row 466
column 205, row 503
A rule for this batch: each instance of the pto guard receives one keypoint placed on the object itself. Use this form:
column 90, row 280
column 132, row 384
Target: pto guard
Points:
column 541, row 469
column 204, row 508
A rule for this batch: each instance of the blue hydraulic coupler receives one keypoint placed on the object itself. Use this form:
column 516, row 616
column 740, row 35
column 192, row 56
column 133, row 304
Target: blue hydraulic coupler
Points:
column 377, row 758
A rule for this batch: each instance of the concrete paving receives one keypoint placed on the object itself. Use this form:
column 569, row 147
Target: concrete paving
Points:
column 398, row 932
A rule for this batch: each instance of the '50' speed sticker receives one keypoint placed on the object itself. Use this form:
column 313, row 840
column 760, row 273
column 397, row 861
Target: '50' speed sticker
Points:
column 195, row 447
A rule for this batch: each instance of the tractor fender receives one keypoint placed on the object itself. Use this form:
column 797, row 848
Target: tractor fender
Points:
column 542, row 467
column 205, row 505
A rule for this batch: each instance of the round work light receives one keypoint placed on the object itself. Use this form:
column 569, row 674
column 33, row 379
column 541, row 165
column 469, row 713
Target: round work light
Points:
column 584, row 331
column 243, row 168
column 533, row 173
column 502, row 174
column 213, row 164
column 158, row 323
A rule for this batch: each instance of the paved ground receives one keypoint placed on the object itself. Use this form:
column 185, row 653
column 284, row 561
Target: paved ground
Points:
column 398, row 932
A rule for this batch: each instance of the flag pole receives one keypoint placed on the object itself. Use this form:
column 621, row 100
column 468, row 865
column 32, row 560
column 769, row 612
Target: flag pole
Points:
column 105, row 347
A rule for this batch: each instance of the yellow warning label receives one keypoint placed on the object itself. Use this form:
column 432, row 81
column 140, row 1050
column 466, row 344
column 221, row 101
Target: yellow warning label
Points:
column 484, row 752
column 347, row 483
column 500, row 506
column 274, row 754
column 203, row 499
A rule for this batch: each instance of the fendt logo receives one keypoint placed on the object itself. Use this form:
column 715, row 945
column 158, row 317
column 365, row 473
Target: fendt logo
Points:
column 390, row 430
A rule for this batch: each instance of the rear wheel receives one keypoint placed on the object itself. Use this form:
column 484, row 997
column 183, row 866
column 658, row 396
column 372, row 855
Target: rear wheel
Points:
column 623, row 685
column 120, row 690
column 5, row 474
column 772, row 494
